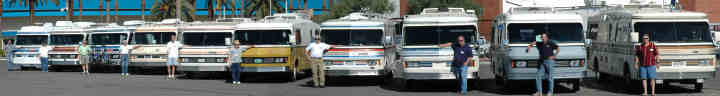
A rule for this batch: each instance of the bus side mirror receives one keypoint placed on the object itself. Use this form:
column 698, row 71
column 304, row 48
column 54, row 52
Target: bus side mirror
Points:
column 292, row 39
column 635, row 37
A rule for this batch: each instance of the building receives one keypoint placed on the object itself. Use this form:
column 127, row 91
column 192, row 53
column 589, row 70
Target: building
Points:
column 708, row 6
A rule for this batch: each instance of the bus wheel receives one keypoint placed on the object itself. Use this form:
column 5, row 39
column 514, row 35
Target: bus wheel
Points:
column 576, row 85
column 698, row 87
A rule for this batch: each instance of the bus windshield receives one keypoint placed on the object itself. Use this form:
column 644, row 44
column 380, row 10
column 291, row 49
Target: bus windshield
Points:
column 153, row 37
column 31, row 39
column 353, row 37
column 262, row 37
column 66, row 39
column 206, row 38
column 560, row 32
column 108, row 39
column 675, row 32
column 433, row 35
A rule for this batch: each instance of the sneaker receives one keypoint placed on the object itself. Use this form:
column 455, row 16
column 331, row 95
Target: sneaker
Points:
column 549, row 94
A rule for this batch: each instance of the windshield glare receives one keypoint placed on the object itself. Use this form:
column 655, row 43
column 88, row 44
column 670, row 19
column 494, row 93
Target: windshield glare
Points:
column 352, row 37
column 560, row 32
column 31, row 39
column 262, row 37
column 153, row 38
column 107, row 39
column 433, row 35
column 69, row 39
column 206, row 38
column 675, row 32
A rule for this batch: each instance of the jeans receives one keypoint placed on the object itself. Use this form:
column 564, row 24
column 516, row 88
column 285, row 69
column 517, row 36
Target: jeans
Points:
column 461, row 75
column 236, row 72
column 648, row 72
column 545, row 71
column 9, row 61
column 44, row 62
column 124, row 63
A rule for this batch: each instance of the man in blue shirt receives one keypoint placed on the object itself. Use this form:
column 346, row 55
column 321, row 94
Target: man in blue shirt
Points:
column 548, row 50
column 461, row 54
column 9, row 47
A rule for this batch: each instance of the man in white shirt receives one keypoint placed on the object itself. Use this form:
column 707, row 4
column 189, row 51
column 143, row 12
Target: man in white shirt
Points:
column 173, row 48
column 314, row 52
column 43, row 52
column 124, row 54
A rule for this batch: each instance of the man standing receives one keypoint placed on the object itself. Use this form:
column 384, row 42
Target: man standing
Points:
column 548, row 50
column 647, row 54
column 235, row 58
column 314, row 52
column 43, row 51
column 84, row 57
column 9, row 48
column 173, row 48
column 461, row 54
column 124, row 54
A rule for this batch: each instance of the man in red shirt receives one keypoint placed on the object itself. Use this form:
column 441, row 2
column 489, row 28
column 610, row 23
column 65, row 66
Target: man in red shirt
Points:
column 647, row 54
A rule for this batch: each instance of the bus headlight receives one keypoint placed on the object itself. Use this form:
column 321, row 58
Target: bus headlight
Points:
column 185, row 60
column 280, row 60
column 373, row 62
column 520, row 63
column 705, row 62
column 220, row 60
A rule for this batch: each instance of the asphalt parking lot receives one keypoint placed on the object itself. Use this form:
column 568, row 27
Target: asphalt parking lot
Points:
column 35, row 83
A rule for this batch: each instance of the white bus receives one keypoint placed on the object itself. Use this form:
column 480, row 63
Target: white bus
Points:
column 105, row 43
column 420, row 56
column 363, row 53
column 684, row 41
column 65, row 37
column 29, row 40
column 152, row 39
column 515, row 30
column 206, row 47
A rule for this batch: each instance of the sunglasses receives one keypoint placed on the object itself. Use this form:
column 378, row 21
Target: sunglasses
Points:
column 646, row 38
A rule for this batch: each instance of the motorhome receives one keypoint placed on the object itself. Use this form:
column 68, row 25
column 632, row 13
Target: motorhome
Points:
column 420, row 56
column 515, row 30
column 363, row 52
column 29, row 40
column 65, row 37
column 279, row 41
column 152, row 39
column 683, row 39
column 206, row 47
column 105, row 42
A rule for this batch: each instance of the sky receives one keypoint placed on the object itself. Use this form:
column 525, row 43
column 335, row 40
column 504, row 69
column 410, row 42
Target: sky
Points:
column 123, row 4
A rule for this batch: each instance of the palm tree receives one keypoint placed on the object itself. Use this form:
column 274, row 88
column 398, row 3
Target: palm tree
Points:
column 142, row 9
column 107, row 10
column 117, row 18
column 102, row 2
column 163, row 9
column 80, row 7
column 69, row 5
column 218, row 4
column 31, row 5
column 261, row 8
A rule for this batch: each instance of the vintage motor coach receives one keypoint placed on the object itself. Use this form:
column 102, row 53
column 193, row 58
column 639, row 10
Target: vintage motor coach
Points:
column 683, row 39
column 105, row 42
column 420, row 56
column 514, row 31
column 205, row 47
column 279, row 41
column 153, row 40
column 29, row 40
column 363, row 38
column 65, row 37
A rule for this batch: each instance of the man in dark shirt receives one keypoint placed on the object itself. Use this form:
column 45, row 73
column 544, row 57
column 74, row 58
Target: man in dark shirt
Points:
column 461, row 54
column 548, row 50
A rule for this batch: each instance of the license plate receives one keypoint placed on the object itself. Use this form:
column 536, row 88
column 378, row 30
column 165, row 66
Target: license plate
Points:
column 258, row 60
column 201, row 60
column 679, row 64
column 522, row 64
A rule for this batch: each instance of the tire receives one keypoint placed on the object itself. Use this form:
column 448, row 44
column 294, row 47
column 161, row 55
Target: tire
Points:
column 698, row 87
column 401, row 84
column 576, row 85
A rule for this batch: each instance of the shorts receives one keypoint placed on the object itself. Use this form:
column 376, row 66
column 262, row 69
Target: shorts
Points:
column 84, row 60
column 648, row 72
column 172, row 61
